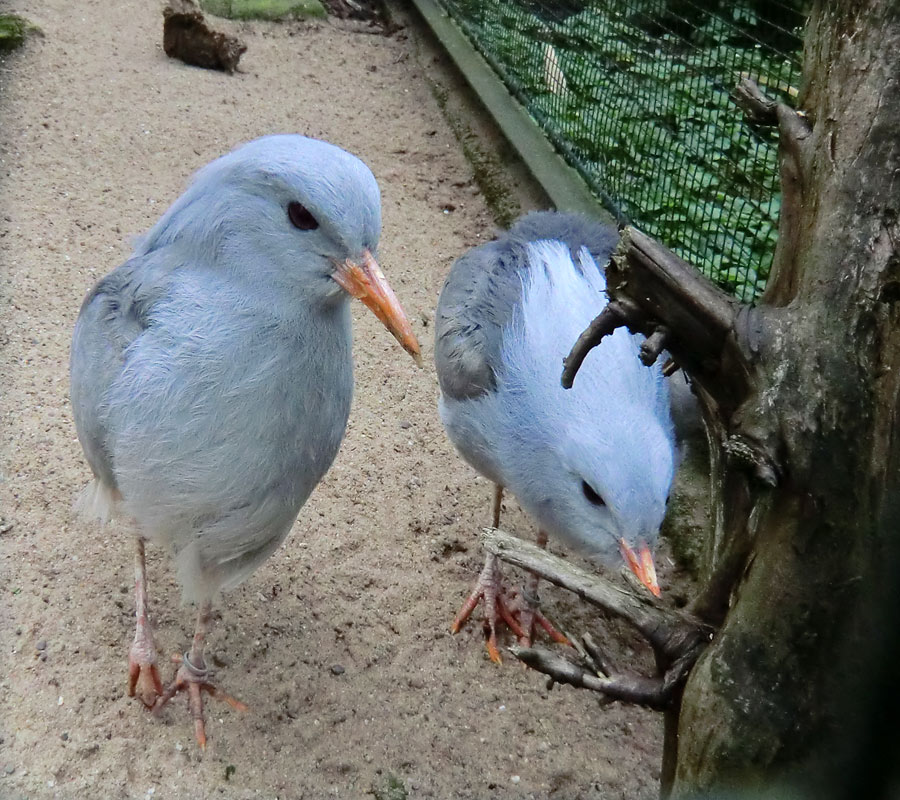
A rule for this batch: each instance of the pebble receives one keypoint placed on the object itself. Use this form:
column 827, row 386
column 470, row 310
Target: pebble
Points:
column 337, row 669
column 41, row 645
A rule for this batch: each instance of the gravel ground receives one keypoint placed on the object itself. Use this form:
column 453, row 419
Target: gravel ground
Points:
column 339, row 643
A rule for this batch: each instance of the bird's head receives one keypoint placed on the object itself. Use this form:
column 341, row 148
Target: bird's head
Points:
column 593, row 464
column 298, row 214
column 615, row 485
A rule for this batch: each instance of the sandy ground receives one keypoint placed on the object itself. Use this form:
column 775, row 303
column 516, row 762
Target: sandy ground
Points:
column 339, row 643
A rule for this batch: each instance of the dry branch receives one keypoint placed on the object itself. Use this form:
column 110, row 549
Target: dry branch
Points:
column 654, row 292
column 671, row 633
column 650, row 692
column 615, row 315
column 794, row 156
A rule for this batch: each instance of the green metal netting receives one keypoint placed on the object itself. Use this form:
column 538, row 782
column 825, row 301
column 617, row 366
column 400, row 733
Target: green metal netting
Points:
column 636, row 95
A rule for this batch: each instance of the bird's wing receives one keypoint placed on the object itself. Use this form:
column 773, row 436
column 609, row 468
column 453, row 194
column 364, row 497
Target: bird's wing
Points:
column 112, row 316
column 477, row 301
column 485, row 285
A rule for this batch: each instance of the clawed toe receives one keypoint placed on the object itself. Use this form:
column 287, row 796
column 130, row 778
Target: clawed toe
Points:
column 517, row 611
column 143, row 681
column 195, row 680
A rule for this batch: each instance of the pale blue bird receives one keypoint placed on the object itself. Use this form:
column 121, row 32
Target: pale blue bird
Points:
column 593, row 465
column 211, row 373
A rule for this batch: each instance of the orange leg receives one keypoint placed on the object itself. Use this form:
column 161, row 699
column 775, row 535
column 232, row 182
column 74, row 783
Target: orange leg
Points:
column 529, row 611
column 498, row 500
column 195, row 677
column 143, row 675
column 520, row 614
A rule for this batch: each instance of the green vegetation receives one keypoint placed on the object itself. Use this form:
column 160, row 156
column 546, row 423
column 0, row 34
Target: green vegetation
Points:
column 263, row 9
column 389, row 788
column 637, row 97
column 13, row 30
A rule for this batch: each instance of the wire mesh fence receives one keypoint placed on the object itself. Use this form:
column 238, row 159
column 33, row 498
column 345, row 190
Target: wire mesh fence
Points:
column 636, row 96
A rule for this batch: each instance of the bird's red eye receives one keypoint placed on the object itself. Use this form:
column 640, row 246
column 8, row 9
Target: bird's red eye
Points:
column 300, row 217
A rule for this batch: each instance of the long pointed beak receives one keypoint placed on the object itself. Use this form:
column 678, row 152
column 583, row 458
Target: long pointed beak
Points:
column 366, row 282
column 641, row 564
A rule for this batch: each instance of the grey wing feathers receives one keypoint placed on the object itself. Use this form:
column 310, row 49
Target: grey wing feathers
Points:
column 475, row 303
column 110, row 320
column 483, row 288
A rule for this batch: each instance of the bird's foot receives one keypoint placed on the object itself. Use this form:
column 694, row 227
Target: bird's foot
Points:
column 525, row 606
column 143, row 676
column 518, row 611
column 195, row 679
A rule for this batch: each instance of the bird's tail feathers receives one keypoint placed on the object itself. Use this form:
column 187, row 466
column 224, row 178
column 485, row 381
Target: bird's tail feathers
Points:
column 97, row 501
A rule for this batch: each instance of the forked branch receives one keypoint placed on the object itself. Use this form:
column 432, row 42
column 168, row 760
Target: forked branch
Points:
column 654, row 292
column 671, row 633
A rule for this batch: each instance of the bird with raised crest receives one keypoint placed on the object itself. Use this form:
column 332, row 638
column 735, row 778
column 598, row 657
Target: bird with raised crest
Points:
column 592, row 465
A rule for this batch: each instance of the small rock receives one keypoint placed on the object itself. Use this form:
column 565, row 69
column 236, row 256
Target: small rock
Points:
column 41, row 645
column 221, row 660
column 64, row 736
column 337, row 669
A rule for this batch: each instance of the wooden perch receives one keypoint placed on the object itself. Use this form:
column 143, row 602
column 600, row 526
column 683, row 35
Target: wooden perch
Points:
column 671, row 633
column 708, row 333
column 656, row 692
column 676, row 638
column 615, row 315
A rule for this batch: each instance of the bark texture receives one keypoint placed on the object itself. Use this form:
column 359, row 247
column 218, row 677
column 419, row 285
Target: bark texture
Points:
column 801, row 397
column 822, row 374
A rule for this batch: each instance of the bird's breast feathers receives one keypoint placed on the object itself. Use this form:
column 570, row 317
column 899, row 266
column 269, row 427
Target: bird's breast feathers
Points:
column 213, row 382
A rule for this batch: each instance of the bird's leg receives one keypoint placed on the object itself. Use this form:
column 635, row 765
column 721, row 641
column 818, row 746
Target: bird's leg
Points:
column 143, row 676
column 490, row 587
column 194, row 676
column 529, row 611
column 520, row 614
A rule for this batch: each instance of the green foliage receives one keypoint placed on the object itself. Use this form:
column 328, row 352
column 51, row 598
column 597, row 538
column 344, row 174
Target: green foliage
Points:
column 13, row 30
column 389, row 788
column 263, row 9
column 645, row 115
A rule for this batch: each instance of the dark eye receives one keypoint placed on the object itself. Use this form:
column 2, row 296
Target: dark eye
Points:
column 591, row 495
column 300, row 217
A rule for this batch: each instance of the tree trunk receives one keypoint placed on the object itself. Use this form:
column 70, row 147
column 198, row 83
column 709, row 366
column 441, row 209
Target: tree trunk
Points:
column 801, row 396
column 770, row 694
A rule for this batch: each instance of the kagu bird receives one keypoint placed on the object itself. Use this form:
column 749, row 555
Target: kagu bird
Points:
column 592, row 465
column 211, row 373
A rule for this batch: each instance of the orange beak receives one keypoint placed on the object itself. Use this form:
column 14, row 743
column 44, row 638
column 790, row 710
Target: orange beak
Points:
column 641, row 565
column 366, row 282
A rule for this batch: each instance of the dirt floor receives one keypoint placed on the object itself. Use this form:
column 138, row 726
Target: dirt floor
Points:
column 340, row 643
